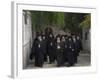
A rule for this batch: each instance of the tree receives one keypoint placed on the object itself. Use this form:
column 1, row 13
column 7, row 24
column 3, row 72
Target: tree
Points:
column 86, row 22
column 62, row 20
column 72, row 21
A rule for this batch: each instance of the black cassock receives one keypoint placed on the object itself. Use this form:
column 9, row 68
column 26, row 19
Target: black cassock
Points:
column 70, row 54
column 51, row 47
column 39, row 55
column 44, row 50
column 59, row 54
column 76, row 50
column 79, row 46
column 65, row 51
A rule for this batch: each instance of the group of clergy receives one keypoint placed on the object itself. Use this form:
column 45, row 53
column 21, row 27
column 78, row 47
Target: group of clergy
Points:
column 59, row 49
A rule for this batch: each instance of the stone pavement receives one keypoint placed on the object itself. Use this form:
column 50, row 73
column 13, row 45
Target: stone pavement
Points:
column 83, row 60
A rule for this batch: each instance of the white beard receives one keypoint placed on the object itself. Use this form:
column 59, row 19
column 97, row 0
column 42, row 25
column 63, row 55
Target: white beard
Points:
column 58, row 47
column 51, row 44
column 39, row 46
column 58, row 41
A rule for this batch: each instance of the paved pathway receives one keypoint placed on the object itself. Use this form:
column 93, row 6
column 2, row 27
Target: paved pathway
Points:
column 83, row 60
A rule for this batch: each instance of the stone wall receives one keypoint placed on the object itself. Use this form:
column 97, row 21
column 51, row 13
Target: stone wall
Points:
column 27, row 37
column 86, row 39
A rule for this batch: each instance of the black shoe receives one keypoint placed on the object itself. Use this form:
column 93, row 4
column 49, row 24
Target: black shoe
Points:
column 69, row 65
column 72, row 64
column 58, row 66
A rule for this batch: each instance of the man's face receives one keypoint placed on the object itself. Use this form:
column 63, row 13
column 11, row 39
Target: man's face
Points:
column 39, row 38
column 63, row 39
column 58, row 39
column 78, row 38
column 43, row 37
column 69, row 39
column 74, row 38
column 51, row 36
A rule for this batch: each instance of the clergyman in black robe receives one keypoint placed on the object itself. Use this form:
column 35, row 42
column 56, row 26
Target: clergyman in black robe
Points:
column 50, row 46
column 59, row 54
column 39, row 55
column 44, row 48
column 75, row 48
column 70, row 54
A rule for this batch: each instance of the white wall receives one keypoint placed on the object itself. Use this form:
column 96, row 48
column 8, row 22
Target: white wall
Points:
column 27, row 38
column 5, row 40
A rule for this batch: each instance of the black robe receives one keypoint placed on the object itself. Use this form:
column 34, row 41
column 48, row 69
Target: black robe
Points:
column 76, row 48
column 51, row 52
column 39, row 56
column 70, row 54
column 44, row 50
column 59, row 54
column 65, row 51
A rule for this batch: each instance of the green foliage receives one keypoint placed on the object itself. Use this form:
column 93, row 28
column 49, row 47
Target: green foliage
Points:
column 72, row 21
column 35, row 16
column 60, row 19
column 64, row 21
column 40, row 19
column 87, row 21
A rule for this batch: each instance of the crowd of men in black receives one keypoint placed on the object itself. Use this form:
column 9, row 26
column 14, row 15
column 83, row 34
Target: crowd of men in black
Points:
column 61, row 49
